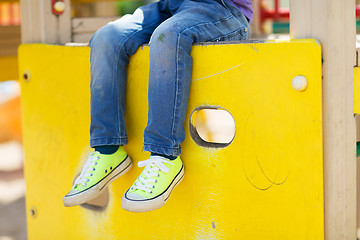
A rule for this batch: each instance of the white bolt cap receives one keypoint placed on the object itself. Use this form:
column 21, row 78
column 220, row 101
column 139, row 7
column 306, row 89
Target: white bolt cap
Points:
column 299, row 83
column 59, row 6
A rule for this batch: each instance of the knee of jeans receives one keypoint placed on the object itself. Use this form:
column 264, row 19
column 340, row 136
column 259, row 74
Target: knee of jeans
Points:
column 169, row 35
column 105, row 39
column 164, row 36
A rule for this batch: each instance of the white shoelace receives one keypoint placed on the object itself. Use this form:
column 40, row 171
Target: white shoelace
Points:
column 152, row 166
column 87, row 169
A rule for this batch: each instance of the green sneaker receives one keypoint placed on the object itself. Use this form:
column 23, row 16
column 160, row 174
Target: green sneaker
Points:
column 152, row 188
column 99, row 171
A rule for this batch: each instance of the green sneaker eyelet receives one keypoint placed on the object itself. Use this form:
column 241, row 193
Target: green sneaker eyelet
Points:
column 153, row 186
column 110, row 168
column 105, row 171
column 150, row 192
column 91, row 174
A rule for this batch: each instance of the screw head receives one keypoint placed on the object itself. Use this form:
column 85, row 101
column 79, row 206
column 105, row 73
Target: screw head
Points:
column 299, row 83
column 33, row 212
column 26, row 76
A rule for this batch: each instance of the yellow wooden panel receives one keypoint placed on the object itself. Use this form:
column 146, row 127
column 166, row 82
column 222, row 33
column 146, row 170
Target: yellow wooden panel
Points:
column 8, row 68
column 357, row 90
column 267, row 184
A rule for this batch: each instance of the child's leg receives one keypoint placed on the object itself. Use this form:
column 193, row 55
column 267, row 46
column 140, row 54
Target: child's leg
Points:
column 170, row 74
column 111, row 47
column 169, row 86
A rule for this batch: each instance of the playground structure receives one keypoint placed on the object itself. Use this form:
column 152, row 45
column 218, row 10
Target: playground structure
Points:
column 309, row 194
column 205, row 205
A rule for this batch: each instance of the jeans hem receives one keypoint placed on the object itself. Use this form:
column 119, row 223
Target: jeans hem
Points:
column 108, row 141
column 169, row 151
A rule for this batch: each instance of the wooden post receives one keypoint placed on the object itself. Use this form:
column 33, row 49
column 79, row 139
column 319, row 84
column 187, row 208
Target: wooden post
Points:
column 358, row 180
column 40, row 25
column 332, row 22
column 255, row 23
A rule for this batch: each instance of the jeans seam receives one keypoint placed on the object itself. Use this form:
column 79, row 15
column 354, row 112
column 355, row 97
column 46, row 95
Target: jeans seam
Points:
column 176, row 90
column 117, row 60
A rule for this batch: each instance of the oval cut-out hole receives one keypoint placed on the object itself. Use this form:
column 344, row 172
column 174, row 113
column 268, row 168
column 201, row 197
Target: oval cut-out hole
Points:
column 212, row 126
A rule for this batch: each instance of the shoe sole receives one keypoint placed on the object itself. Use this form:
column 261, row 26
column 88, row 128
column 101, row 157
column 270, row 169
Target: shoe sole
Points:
column 96, row 190
column 152, row 204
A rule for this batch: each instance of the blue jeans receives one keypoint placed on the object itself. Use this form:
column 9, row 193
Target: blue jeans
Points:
column 170, row 27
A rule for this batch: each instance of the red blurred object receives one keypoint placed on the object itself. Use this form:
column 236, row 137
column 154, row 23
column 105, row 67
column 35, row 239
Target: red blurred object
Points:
column 53, row 10
column 275, row 14
column 357, row 11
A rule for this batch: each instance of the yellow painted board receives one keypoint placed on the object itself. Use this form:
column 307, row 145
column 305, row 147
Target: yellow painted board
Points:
column 8, row 68
column 267, row 184
column 357, row 90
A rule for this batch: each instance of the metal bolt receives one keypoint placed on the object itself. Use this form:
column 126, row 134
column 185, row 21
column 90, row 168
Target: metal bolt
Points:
column 26, row 76
column 33, row 212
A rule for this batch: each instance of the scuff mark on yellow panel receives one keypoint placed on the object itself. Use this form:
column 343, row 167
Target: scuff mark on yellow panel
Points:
column 267, row 184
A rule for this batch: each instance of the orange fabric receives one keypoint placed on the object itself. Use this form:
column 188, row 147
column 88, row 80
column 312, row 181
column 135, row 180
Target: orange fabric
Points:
column 10, row 120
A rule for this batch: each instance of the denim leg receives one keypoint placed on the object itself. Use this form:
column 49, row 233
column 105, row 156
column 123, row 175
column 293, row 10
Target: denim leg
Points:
column 111, row 47
column 171, row 66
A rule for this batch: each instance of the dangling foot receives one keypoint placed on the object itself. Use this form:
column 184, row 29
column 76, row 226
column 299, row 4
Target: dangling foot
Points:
column 99, row 171
column 153, row 187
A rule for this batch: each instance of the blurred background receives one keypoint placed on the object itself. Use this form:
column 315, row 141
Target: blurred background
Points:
column 271, row 22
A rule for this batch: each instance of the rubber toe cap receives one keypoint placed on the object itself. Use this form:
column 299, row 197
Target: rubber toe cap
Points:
column 134, row 196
